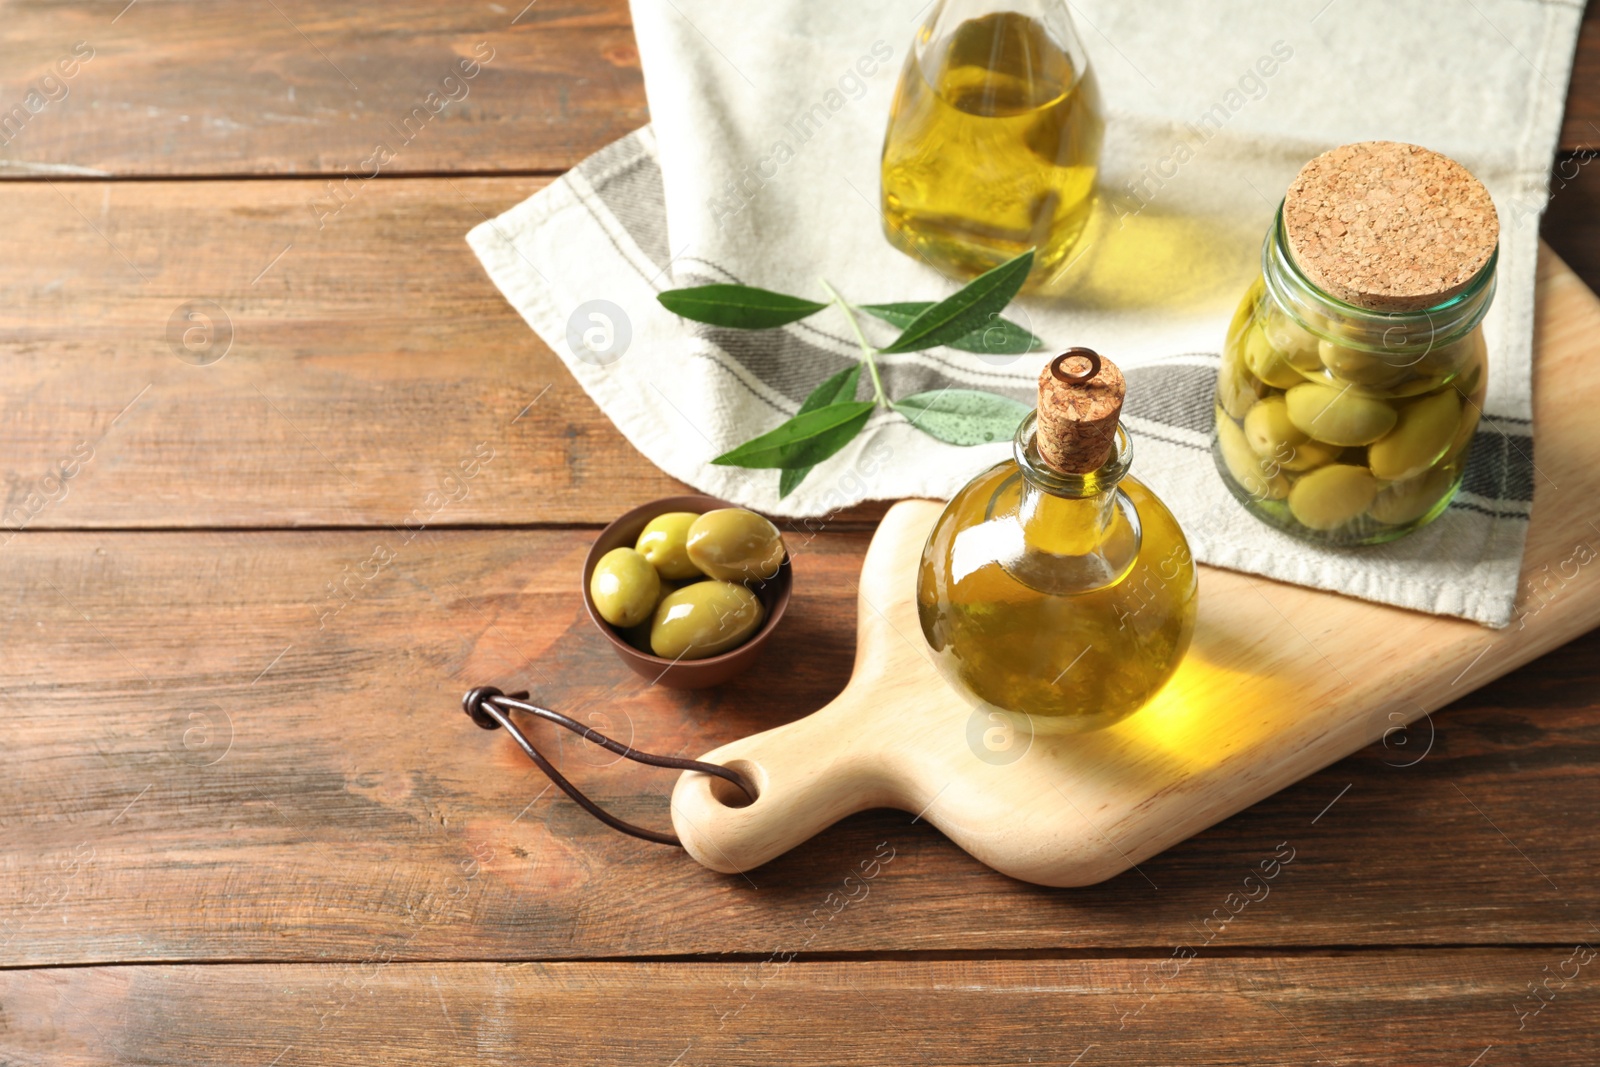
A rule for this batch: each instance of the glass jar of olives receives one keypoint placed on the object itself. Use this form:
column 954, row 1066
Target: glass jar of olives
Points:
column 1354, row 370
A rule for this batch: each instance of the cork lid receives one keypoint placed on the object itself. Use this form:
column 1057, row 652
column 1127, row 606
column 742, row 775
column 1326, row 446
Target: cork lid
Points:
column 1388, row 226
column 1080, row 399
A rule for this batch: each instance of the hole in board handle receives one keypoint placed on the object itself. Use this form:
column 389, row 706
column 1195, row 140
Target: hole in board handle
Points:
column 729, row 795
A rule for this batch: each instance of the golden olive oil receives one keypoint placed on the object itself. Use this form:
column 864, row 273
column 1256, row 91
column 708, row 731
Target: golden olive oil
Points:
column 992, row 146
column 1078, row 657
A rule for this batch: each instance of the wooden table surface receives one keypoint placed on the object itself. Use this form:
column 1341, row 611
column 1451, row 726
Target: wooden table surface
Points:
column 242, row 820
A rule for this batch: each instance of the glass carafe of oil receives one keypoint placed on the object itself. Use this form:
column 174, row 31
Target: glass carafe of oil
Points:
column 993, row 140
column 1054, row 586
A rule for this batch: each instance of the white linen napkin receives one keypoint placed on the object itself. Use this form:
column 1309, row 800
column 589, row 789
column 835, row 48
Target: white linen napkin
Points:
column 761, row 167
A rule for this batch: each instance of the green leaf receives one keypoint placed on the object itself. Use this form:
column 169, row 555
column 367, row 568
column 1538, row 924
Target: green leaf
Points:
column 789, row 480
column 997, row 337
column 838, row 389
column 803, row 441
column 963, row 416
column 740, row 306
column 969, row 308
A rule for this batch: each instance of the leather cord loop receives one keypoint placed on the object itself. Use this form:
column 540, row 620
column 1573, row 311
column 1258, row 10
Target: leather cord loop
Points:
column 491, row 709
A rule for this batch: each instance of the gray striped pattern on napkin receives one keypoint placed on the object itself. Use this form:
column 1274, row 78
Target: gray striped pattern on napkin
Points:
column 1168, row 402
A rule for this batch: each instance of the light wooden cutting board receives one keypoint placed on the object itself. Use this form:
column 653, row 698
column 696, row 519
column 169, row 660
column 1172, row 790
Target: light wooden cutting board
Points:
column 1280, row 682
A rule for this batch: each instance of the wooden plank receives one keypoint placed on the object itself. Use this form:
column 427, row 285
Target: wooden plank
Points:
column 353, row 366
column 1572, row 220
column 1442, row 1008
column 331, row 801
column 365, row 358
column 1581, row 126
column 295, row 87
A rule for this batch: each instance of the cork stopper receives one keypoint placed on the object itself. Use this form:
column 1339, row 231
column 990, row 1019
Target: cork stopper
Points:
column 1388, row 226
column 1080, row 398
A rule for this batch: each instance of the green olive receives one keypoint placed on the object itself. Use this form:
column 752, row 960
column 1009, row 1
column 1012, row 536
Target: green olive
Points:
column 1456, row 357
column 1338, row 416
column 1269, row 431
column 1270, row 365
column 1236, row 387
column 1470, row 384
column 1416, row 385
column 1280, row 442
column 1361, row 368
column 1409, row 500
column 735, row 545
column 1469, row 381
column 704, row 619
column 624, row 587
column 1253, row 475
column 1295, row 342
column 1316, row 324
column 664, row 542
column 1308, row 455
column 1419, row 439
column 1471, row 410
column 639, row 636
column 1329, row 497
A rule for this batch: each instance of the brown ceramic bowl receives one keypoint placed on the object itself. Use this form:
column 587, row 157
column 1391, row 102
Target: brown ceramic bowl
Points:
column 684, row 673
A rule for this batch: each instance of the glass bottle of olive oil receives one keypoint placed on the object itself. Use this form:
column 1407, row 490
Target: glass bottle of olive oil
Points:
column 993, row 139
column 1060, row 590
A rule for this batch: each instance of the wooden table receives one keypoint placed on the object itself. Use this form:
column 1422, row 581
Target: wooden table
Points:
column 242, row 819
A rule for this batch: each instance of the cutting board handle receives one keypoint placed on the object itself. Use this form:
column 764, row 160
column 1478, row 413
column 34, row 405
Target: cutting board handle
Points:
column 848, row 756
column 808, row 775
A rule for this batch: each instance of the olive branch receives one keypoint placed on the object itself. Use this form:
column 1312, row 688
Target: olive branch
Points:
column 831, row 416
